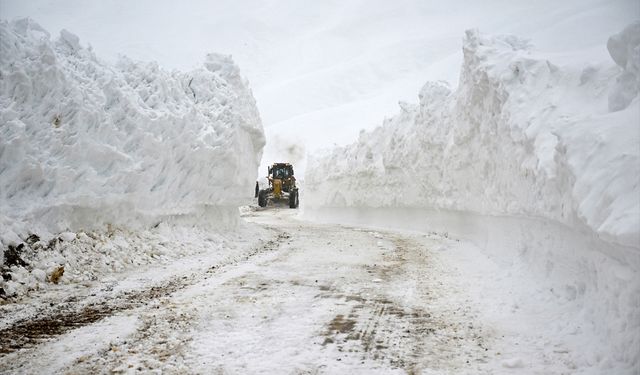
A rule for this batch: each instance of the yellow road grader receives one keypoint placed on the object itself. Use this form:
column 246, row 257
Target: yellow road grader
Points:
column 282, row 186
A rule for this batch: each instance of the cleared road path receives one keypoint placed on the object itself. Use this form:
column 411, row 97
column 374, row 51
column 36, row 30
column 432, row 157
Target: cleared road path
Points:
column 315, row 299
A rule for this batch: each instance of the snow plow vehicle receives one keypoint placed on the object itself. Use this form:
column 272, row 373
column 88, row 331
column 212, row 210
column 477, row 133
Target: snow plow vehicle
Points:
column 282, row 186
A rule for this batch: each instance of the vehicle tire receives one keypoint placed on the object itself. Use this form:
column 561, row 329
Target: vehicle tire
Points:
column 262, row 198
column 293, row 199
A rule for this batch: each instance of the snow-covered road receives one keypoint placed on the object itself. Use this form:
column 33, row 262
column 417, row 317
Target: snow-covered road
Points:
column 312, row 298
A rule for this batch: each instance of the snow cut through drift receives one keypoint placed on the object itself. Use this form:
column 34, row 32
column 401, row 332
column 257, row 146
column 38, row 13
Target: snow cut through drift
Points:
column 84, row 144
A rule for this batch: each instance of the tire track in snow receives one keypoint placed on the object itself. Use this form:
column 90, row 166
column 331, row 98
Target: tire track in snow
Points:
column 33, row 331
column 411, row 338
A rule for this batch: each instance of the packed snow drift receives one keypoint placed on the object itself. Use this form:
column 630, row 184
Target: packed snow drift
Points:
column 89, row 146
column 525, row 148
column 520, row 136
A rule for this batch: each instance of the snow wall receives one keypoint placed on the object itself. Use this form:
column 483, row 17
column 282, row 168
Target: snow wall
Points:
column 538, row 164
column 84, row 144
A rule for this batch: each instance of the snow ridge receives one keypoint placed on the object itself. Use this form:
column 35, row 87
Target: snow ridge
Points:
column 84, row 144
column 520, row 136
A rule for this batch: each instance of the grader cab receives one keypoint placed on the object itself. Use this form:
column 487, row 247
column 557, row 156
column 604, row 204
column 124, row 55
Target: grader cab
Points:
column 282, row 186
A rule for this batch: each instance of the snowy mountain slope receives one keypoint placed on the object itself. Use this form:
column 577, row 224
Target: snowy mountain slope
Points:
column 84, row 143
column 536, row 162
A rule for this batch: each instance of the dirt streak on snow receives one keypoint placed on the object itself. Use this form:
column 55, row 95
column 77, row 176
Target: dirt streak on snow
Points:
column 43, row 316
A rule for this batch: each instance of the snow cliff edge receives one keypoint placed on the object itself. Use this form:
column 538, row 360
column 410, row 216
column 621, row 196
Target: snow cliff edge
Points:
column 84, row 144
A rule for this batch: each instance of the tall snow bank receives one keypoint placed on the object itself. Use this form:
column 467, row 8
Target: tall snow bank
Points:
column 537, row 163
column 625, row 51
column 520, row 136
column 84, row 144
